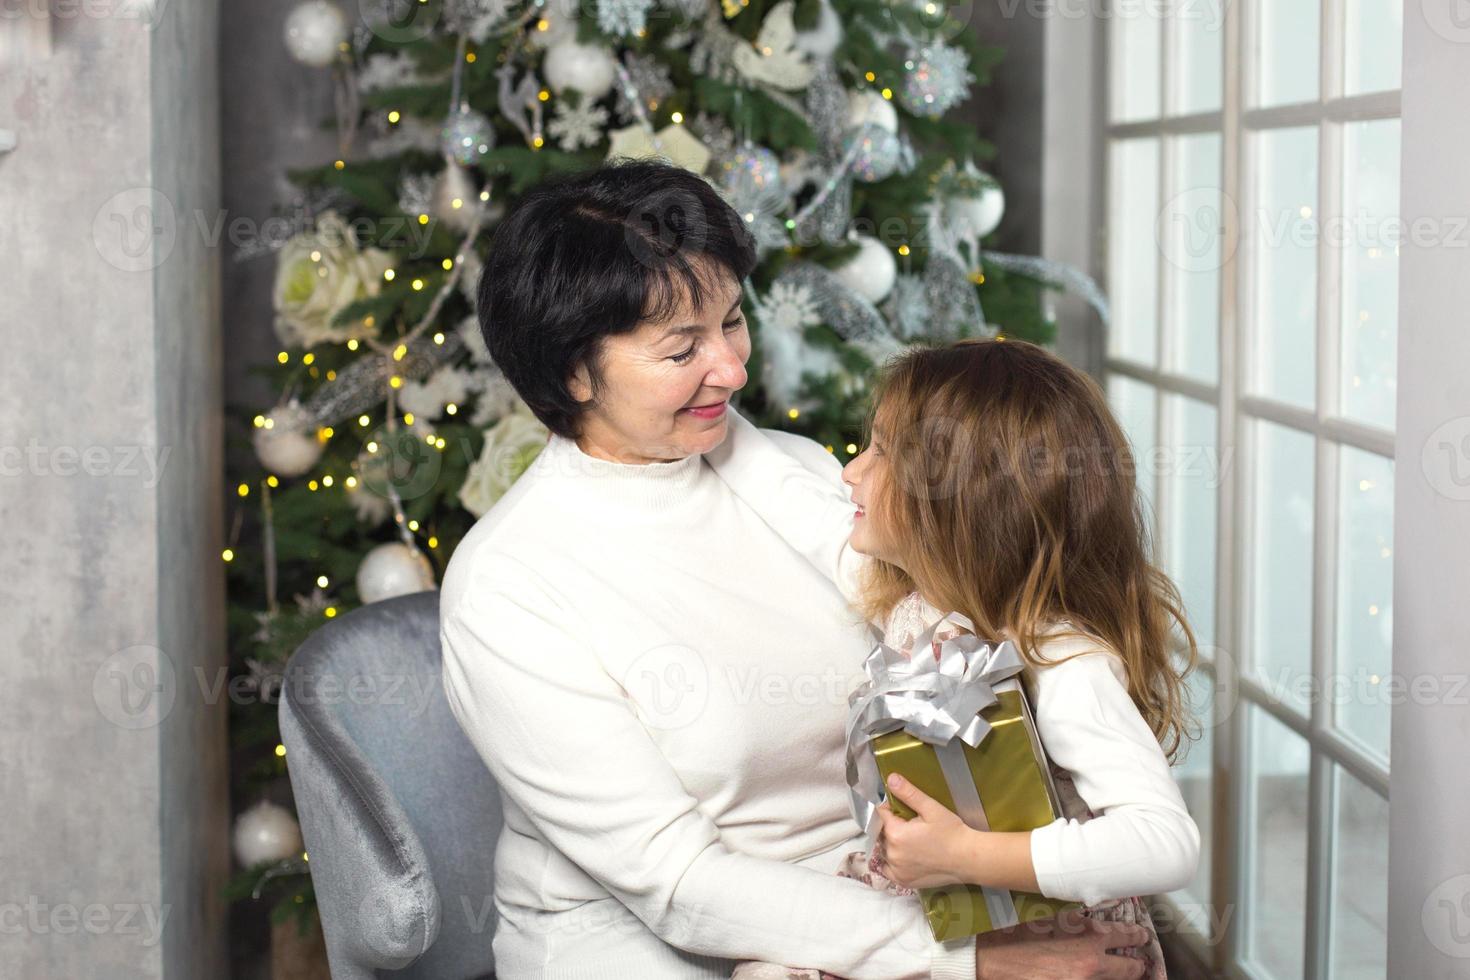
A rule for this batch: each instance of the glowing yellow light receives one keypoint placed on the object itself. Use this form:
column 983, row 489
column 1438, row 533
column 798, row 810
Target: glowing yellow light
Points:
column 543, row 95
column 399, row 352
column 470, row 57
column 678, row 117
column 312, row 485
column 316, row 256
column 260, row 421
column 439, row 337
column 543, row 24
column 331, row 375
column 903, row 250
column 888, row 94
column 408, row 418
column 388, row 274
column 352, row 344
column 393, row 116
column 978, row 278
column 243, row 489
column 330, row 612
column 340, row 164
column 433, row 542
column 413, row 525
column 793, row 413
column 851, row 449
column 362, row 420
column 270, row 423
column 1365, row 485
column 321, row 580
column 271, row 481
column 429, row 438
column 351, row 482
column 395, row 382
column 304, row 857
column 439, row 443
column 451, row 409
column 280, row 750
column 228, row 554
column 829, row 449
column 418, row 284
column 372, row 447
column 869, row 76
column 448, row 264
column 537, row 142
column 308, row 359
column 484, row 195
column 325, row 432
column 456, row 204
column 423, row 219
column 283, row 357
column 1306, row 212
column 327, row 480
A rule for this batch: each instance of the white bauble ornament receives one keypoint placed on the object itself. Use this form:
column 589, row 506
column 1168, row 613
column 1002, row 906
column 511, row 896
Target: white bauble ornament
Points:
column 588, row 68
column 467, row 135
column 393, row 569
column 871, row 272
column 287, row 445
column 455, row 199
column 266, row 832
column 822, row 40
column 980, row 214
column 877, row 154
column 867, row 106
column 315, row 33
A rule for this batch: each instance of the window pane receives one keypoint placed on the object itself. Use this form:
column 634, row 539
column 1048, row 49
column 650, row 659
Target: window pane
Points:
column 1133, row 262
column 1191, row 236
column 1195, row 775
column 1365, row 597
column 1282, row 231
column 1199, row 29
column 1370, row 271
column 1194, row 474
column 1375, row 41
column 1276, row 888
column 1134, row 42
column 1359, row 930
column 1133, row 404
column 1286, row 46
column 1280, row 570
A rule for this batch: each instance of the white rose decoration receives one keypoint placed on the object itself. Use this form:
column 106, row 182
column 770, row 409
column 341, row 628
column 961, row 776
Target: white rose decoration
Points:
column 319, row 272
column 511, row 445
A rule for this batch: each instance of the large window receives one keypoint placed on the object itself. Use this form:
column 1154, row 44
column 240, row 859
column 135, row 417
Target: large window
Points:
column 1251, row 196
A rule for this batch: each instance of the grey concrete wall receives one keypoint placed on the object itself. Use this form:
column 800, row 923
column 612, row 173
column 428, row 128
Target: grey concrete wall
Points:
column 111, row 586
column 1429, row 846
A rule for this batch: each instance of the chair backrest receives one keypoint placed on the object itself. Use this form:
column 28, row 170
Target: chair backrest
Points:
column 399, row 814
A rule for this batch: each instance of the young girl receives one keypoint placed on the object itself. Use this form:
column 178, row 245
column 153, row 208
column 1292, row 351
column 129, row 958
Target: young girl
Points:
column 997, row 484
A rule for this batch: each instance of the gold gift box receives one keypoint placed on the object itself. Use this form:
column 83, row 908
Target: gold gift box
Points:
column 1014, row 781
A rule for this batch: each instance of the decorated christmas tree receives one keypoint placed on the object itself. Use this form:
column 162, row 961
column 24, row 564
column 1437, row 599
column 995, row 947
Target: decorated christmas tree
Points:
column 826, row 124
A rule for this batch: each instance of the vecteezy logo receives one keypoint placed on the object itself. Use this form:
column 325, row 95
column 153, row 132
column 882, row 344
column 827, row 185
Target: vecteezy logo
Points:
column 1450, row 19
column 135, row 230
column 1446, row 917
column 135, row 687
column 669, row 685
column 1192, row 231
column 1446, row 459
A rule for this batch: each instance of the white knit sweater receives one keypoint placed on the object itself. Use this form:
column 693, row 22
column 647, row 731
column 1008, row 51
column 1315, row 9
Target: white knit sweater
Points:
column 658, row 682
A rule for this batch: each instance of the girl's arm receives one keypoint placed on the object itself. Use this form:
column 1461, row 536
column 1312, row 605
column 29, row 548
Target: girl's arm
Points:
column 796, row 487
column 1142, row 841
column 568, row 750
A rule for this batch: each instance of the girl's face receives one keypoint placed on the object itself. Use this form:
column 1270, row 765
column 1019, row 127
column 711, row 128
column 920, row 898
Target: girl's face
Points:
column 654, row 375
column 867, row 475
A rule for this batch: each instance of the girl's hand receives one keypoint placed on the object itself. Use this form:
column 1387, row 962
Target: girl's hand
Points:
column 928, row 850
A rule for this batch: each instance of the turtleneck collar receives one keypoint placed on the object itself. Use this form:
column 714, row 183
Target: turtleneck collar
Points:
column 658, row 485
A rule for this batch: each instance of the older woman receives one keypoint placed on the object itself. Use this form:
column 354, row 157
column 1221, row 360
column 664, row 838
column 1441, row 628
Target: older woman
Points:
column 656, row 679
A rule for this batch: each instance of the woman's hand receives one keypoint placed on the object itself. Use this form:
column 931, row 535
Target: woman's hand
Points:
column 929, row 850
column 1070, row 947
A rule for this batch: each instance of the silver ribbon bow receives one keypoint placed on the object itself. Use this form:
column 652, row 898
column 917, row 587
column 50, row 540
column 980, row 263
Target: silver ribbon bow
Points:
column 935, row 701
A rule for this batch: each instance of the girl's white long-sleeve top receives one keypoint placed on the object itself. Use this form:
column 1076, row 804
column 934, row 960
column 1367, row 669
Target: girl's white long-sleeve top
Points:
column 658, row 683
column 1143, row 841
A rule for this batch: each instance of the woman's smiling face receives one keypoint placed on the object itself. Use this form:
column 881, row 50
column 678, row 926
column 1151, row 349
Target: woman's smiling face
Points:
column 657, row 379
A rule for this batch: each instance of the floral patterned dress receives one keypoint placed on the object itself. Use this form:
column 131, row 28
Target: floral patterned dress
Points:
column 907, row 620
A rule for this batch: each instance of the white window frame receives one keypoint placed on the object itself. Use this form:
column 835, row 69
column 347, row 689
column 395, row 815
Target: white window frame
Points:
column 1237, row 410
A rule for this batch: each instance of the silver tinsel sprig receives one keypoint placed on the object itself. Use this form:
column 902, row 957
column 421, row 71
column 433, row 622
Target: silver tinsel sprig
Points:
column 362, row 384
column 852, row 317
column 1060, row 275
column 650, row 83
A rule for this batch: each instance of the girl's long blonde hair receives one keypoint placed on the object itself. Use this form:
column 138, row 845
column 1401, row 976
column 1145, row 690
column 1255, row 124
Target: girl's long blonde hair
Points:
column 1012, row 489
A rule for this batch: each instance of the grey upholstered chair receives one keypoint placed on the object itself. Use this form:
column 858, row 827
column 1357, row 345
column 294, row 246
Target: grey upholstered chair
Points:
column 399, row 813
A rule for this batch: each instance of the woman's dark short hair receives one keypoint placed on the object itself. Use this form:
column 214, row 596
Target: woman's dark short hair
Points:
column 589, row 255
